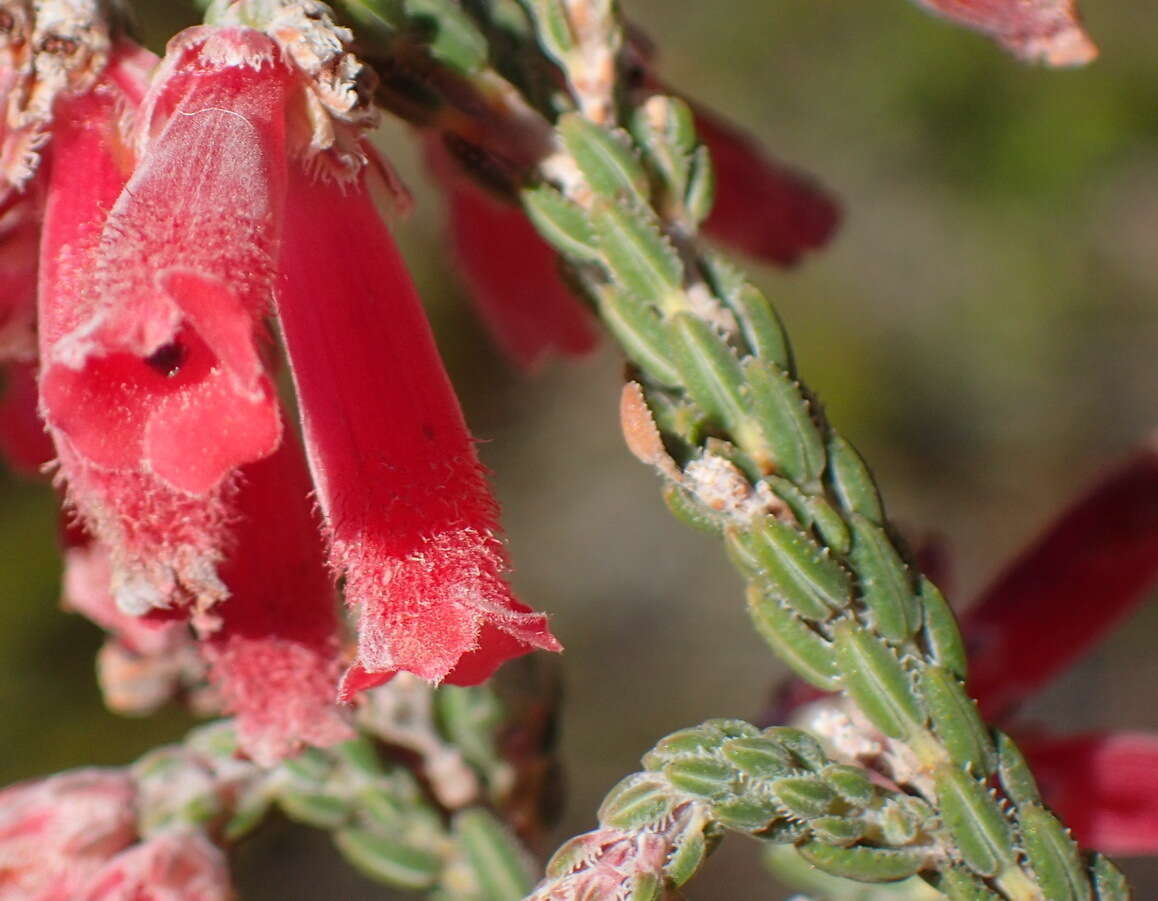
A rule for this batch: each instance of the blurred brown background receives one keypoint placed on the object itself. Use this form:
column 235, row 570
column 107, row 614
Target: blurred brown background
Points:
column 984, row 328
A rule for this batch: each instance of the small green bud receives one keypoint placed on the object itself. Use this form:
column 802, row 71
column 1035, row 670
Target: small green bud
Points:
column 956, row 720
column 606, row 159
column 806, row 651
column 1053, row 855
column 562, row 223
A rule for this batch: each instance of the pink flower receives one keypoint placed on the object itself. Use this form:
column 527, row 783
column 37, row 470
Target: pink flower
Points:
column 56, row 832
column 172, row 866
column 146, row 660
column 1048, row 31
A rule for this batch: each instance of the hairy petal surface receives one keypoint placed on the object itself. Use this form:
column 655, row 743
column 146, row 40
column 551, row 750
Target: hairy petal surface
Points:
column 411, row 523
column 274, row 657
column 155, row 272
column 1047, row 31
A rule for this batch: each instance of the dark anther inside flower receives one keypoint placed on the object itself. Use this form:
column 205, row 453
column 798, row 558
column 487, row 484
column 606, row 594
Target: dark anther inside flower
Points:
column 168, row 359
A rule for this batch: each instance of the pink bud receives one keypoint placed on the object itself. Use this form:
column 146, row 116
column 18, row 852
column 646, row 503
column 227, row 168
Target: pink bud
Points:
column 56, row 832
column 173, row 866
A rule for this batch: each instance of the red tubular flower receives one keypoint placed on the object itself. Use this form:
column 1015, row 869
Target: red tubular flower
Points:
column 274, row 657
column 410, row 520
column 1048, row 31
column 763, row 208
column 55, row 833
column 173, row 866
column 512, row 273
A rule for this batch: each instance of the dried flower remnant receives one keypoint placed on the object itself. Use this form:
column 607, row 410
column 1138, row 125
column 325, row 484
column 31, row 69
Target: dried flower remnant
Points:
column 1047, row 31
column 48, row 51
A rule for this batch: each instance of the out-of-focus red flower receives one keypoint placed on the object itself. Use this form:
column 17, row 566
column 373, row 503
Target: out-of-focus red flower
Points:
column 19, row 243
column 1048, row 31
column 409, row 517
column 55, row 833
column 24, row 444
column 763, row 208
column 173, row 866
column 1091, row 567
column 511, row 272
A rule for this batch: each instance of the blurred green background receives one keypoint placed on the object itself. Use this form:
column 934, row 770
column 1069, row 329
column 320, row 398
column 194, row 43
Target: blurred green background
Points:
column 984, row 328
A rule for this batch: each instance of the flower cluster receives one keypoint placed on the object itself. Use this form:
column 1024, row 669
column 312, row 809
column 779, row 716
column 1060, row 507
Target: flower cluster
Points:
column 157, row 216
